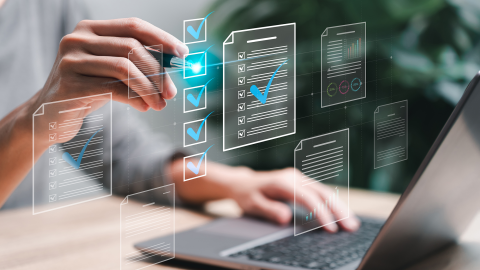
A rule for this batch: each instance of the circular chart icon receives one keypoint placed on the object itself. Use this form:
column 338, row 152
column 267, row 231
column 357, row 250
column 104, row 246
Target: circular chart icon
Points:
column 332, row 89
column 345, row 86
column 356, row 84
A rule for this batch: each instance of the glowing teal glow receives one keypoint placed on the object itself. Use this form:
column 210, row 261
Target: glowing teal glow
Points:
column 196, row 67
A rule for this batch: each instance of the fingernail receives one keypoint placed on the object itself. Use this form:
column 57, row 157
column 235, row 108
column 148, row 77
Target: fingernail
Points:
column 182, row 50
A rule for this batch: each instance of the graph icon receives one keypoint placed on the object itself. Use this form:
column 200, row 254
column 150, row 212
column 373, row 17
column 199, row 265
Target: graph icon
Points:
column 355, row 49
column 329, row 205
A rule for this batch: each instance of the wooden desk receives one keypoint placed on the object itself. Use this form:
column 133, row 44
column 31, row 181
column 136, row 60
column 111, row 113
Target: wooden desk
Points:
column 87, row 236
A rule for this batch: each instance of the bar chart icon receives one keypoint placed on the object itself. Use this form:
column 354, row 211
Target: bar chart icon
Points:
column 355, row 49
column 329, row 205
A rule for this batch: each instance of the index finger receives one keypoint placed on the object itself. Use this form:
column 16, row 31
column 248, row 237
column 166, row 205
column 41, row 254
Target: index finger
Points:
column 141, row 30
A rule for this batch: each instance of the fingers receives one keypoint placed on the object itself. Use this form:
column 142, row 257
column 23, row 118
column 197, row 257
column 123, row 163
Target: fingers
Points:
column 138, row 29
column 98, row 85
column 112, row 42
column 169, row 88
column 149, row 66
column 264, row 207
column 121, row 69
column 133, row 50
column 311, row 201
column 128, row 48
column 283, row 191
column 339, row 211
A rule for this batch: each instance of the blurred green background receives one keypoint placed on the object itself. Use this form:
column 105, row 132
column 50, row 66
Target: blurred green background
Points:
column 424, row 51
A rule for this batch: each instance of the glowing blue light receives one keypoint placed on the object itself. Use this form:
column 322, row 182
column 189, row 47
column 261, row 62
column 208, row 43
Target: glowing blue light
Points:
column 196, row 67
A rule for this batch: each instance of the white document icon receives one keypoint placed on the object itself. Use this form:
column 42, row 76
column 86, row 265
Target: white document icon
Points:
column 143, row 220
column 146, row 77
column 258, row 85
column 343, row 64
column 322, row 159
column 79, row 159
column 391, row 133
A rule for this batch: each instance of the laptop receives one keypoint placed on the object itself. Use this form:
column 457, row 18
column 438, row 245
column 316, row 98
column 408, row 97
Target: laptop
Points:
column 437, row 206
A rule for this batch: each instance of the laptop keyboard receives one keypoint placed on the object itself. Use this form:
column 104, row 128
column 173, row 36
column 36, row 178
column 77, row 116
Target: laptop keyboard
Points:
column 316, row 249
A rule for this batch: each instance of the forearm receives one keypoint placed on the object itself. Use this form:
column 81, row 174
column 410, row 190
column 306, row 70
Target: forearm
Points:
column 213, row 186
column 15, row 150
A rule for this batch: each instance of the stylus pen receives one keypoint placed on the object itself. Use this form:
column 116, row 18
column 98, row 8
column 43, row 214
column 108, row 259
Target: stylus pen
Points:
column 168, row 60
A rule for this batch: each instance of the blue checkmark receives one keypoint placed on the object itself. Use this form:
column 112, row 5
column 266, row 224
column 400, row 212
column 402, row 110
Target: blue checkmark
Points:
column 254, row 89
column 203, row 55
column 196, row 101
column 69, row 159
column 196, row 135
column 192, row 31
column 196, row 169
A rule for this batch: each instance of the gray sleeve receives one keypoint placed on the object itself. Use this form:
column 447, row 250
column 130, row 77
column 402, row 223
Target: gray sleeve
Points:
column 73, row 12
column 139, row 156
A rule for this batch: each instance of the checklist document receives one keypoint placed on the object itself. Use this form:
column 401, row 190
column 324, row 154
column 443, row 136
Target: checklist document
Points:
column 77, row 165
column 258, row 85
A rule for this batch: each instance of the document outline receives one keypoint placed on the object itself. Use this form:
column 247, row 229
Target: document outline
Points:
column 325, row 33
column 40, row 111
column 300, row 147
column 125, row 201
column 377, row 110
column 130, row 90
column 226, row 42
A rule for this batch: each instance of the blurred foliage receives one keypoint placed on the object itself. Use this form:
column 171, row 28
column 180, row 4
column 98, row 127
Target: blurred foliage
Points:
column 424, row 51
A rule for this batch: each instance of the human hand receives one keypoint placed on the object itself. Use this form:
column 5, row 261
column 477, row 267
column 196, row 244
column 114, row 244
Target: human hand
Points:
column 93, row 60
column 260, row 193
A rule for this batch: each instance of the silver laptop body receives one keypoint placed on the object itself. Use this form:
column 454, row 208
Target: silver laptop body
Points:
column 437, row 206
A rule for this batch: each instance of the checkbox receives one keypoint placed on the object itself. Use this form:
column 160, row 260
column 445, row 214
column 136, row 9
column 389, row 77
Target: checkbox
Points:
column 52, row 149
column 241, row 133
column 241, row 80
column 52, row 198
column 241, row 68
column 241, row 94
column 52, row 137
column 195, row 98
column 241, row 107
column 198, row 67
column 194, row 31
column 52, row 173
column 52, row 161
column 195, row 132
column 241, row 120
column 52, row 185
column 241, row 55
column 52, row 125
